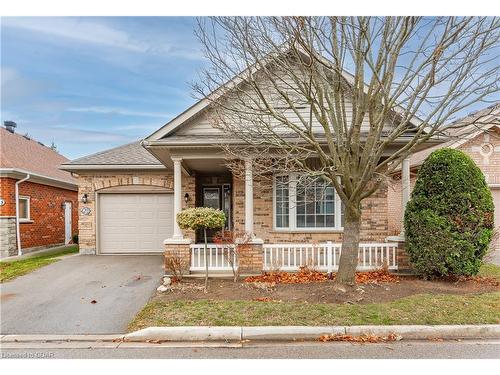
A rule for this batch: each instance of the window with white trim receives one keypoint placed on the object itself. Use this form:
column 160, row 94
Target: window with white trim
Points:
column 24, row 208
column 306, row 203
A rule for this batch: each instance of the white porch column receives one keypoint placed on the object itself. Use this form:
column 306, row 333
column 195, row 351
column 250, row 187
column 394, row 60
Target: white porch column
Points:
column 248, row 198
column 249, row 203
column 177, row 197
column 405, row 188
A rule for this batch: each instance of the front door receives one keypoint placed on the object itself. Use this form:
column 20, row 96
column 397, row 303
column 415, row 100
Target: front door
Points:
column 67, row 222
column 218, row 197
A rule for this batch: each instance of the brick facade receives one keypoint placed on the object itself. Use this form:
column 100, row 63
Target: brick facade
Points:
column 374, row 215
column 374, row 223
column 46, row 225
column 91, row 183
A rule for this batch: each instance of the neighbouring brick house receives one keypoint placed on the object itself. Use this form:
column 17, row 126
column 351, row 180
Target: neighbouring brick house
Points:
column 480, row 140
column 47, row 196
column 129, row 197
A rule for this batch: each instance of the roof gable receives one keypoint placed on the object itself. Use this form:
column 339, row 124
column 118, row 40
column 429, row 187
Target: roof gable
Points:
column 480, row 122
column 195, row 117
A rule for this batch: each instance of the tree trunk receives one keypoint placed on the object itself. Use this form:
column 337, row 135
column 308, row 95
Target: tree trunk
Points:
column 206, row 259
column 346, row 275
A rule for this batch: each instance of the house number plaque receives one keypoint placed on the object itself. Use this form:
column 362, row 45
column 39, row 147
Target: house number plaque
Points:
column 86, row 211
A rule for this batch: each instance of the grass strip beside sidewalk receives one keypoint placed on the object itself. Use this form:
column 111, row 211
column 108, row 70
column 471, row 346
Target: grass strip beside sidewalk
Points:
column 418, row 309
column 11, row 269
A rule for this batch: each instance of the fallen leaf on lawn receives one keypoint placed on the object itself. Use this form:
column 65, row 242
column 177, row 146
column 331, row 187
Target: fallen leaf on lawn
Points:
column 266, row 299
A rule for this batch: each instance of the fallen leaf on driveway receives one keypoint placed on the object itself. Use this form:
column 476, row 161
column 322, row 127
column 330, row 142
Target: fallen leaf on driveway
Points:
column 93, row 301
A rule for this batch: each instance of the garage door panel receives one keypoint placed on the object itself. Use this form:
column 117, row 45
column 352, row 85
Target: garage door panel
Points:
column 134, row 223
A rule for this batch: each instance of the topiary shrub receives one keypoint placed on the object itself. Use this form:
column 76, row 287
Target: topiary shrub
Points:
column 449, row 218
column 202, row 218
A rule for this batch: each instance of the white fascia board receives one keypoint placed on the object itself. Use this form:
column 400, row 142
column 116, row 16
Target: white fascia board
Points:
column 38, row 178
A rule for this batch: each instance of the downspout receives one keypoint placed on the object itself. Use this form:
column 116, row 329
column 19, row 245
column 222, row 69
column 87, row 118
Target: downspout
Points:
column 18, row 231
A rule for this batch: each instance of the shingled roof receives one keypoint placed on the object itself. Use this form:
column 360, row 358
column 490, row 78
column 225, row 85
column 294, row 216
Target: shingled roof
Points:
column 129, row 154
column 487, row 117
column 21, row 153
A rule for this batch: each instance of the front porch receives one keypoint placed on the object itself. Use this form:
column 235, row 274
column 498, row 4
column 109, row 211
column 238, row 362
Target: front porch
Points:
column 291, row 257
column 204, row 180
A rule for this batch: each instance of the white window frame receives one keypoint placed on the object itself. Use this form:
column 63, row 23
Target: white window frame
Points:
column 28, row 206
column 292, row 208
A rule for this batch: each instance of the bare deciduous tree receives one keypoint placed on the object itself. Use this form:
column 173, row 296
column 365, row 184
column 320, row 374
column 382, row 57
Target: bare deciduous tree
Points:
column 343, row 98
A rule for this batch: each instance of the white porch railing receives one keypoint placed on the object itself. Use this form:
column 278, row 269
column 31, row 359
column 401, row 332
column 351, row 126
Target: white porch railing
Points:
column 325, row 256
column 218, row 257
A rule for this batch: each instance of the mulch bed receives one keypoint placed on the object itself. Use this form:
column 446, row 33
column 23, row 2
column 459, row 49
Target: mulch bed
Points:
column 305, row 276
column 314, row 287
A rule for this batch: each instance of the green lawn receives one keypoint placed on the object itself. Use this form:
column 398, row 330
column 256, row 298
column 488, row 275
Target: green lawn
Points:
column 490, row 270
column 418, row 309
column 11, row 269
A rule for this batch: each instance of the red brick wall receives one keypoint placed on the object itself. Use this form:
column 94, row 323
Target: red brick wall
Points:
column 46, row 211
column 7, row 193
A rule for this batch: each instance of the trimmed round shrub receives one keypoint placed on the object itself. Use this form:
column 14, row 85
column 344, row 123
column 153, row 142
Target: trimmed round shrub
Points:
column 449, row 218
column 201, row 217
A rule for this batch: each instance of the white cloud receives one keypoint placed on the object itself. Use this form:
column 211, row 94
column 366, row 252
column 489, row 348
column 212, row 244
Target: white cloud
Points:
column 67, row 133
column 16, row 87
column 118, row 111
column 95, row 32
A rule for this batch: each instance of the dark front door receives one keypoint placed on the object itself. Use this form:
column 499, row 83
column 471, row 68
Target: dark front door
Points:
column 218, row 197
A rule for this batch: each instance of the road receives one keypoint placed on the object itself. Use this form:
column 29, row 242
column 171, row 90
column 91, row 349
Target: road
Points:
column 398, row 350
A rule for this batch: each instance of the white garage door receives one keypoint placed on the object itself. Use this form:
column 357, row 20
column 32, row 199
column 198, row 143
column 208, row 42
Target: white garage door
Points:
column 134, row 223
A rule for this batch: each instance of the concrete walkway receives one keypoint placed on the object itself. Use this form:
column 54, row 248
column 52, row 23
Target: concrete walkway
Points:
column 58, row 298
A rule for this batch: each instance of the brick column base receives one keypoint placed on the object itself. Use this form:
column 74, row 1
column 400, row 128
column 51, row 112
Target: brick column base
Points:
column 250, row 258
column 402, row 258
column 179, row 255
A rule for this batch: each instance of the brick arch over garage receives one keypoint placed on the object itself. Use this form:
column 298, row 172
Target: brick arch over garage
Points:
column 95, row 183
column 133, row 182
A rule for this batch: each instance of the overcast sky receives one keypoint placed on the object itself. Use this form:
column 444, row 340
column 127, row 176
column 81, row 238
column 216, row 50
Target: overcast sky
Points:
column 89, row 84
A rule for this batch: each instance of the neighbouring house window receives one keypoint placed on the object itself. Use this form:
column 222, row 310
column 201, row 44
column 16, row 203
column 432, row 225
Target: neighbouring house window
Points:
column 24, row 208
column 306, row 203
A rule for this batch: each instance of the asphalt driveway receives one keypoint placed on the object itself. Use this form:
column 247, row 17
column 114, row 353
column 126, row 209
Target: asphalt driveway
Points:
column 58, row 298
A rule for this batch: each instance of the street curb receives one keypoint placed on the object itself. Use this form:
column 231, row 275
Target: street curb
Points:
column 272, row 333
column 289, row 333
column 51, row 338
column 185, row 334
